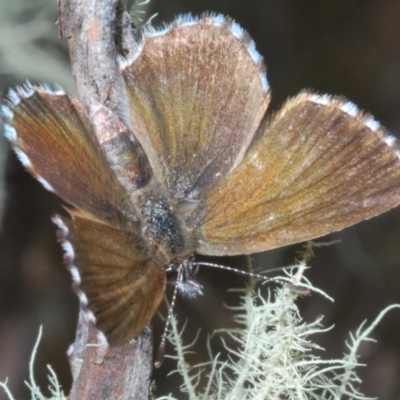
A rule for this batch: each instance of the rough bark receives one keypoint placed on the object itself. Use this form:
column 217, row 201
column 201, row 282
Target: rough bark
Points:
column 99, row 31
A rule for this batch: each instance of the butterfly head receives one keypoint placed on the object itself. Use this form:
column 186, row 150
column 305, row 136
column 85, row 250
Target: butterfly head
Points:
column 184, row 272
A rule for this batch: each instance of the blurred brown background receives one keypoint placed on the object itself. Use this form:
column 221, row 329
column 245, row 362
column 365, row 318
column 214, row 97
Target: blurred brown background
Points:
column 343, row 47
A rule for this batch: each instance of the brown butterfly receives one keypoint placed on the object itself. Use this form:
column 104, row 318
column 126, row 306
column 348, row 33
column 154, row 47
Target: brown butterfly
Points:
column 198, row 168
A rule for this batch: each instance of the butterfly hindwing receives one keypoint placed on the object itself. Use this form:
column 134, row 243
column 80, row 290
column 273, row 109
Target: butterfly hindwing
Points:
column 318, row 167
column 122, row 283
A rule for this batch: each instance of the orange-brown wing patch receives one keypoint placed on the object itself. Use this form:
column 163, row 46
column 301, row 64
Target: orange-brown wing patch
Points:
column 123, row 285
column 319, row 166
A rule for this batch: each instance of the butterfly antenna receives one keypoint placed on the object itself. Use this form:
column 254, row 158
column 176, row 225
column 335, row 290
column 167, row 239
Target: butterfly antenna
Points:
column 296, row 288
column 161, row 350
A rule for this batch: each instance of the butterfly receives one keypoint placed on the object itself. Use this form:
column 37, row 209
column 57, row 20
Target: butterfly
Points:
column 198, row 167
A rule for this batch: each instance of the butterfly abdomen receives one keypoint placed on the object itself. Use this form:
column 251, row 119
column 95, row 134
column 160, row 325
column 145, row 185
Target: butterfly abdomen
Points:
column 121, row 149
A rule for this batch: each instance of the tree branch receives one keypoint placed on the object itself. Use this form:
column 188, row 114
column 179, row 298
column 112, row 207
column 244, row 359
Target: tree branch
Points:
column 96, row 30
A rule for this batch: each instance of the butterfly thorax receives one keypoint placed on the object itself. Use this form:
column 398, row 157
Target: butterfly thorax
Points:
column 168, row 242
column 163, row 233
column 162, row 230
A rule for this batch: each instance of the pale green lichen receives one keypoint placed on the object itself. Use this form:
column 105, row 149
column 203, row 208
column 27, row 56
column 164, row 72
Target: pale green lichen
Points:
column 36, row 394
column 138, row 11
column 276, row 356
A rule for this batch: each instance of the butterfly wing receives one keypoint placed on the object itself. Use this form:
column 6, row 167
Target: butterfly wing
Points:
column 51, row 135
column 193, row 125
column 123, row 285
column 319, row 166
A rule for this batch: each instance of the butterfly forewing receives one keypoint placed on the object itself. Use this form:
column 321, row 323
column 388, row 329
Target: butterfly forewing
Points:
column 193, row 107
column 51, row 135
column 122, row 283
column 318, row 167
